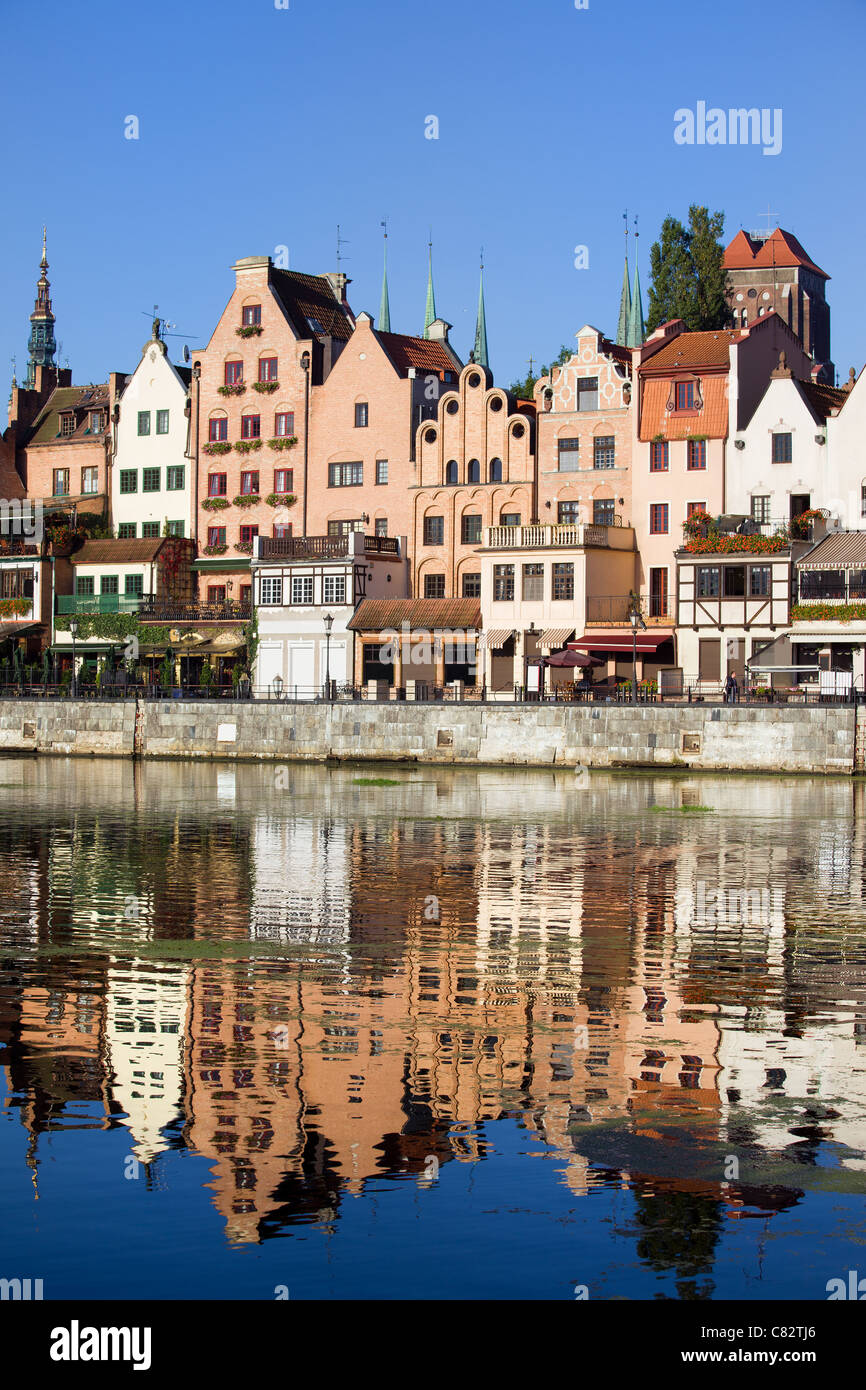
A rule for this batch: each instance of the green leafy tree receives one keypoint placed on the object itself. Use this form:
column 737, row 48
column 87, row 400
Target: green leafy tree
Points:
column 689, row 281
column 523, row 390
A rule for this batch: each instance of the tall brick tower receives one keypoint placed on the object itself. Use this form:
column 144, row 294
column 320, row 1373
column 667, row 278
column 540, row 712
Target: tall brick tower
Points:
column 772, row 271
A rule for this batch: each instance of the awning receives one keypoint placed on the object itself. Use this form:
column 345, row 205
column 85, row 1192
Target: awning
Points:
column 497, row 637
column 553, row 637
column 573, row 658
column 16, row 629
column 620, row 640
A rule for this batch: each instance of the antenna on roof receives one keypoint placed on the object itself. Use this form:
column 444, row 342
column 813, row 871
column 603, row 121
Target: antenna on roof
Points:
column 161, row 326
column 341, row 241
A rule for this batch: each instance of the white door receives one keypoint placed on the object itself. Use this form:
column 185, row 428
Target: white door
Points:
column 302, row 671
column 268, row 665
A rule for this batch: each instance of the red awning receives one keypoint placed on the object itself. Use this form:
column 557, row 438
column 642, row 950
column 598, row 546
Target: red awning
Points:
column 620, row 640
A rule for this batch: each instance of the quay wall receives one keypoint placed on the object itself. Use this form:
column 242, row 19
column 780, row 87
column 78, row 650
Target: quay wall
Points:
column 778, row 738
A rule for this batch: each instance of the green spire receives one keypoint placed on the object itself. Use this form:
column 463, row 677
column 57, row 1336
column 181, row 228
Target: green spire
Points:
column 430, row 311
column 385, row 305
column 636, row 330
column 625, row 297
column 479, row 354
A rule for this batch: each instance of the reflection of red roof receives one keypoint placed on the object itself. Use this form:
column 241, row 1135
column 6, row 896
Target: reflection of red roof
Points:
column 422, row 353
column 781, row 249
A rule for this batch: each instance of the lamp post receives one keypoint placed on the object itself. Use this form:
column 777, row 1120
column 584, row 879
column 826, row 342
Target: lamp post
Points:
column 636, row 620
column 278, row 686
column 329, row 623
column 73, row 631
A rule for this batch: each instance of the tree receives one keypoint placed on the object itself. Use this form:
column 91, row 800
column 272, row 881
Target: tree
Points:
column 523, row 390
column 689, row 281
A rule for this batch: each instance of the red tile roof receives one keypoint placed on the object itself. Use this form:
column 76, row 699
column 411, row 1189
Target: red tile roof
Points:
column 711, row 421
column 306, row 297
column 824, row 400
column 451, row 614
column 708, row 348
column 129, row 552
column 423, row 354
column 781, row 249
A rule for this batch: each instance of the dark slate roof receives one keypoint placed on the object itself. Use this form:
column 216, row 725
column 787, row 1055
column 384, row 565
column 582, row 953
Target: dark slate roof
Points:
column 133, row 552
column 824, row 400
column 451, row 614
column 81, row 399
column 306, row 297
column 425, row 354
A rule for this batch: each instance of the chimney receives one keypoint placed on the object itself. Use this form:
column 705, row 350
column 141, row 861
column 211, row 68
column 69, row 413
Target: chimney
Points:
column 338, row 281
column 438, row 331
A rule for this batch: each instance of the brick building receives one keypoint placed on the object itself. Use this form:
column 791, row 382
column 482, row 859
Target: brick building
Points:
column 773, row 272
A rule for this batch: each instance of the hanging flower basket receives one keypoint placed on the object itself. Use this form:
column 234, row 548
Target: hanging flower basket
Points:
column 247, row 499
column 237, row 388
column 220, row 448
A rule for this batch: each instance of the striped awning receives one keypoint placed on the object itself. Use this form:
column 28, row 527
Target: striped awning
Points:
column 555, row 637
column 496, row 637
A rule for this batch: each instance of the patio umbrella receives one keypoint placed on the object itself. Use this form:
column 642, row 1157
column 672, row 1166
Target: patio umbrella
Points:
column 574, row 658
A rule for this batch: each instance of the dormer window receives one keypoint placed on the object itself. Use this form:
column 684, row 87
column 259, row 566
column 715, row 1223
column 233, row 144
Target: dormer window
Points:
column 67, row 423
column 251, row 315
column 96, row 421
column 315, row 326
column 684, row 395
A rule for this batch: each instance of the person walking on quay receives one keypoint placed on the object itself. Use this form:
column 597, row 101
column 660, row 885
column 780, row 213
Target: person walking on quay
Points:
column 729, row 689
column 735, row 690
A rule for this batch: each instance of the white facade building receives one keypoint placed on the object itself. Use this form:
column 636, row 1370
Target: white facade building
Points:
column 151, row 478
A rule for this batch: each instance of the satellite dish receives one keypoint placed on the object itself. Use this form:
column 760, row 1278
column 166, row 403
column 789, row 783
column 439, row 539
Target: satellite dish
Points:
column 185, row 353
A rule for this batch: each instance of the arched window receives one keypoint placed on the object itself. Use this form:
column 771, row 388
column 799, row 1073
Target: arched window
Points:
column 473, row 471
column 494, row 471
column 451, row 472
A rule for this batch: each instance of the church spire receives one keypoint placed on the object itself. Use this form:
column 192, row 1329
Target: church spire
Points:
column 41, row 345
column 384, row 324
column 479, row 354
column 636, row 329
column 625, row 297
column 430, row 311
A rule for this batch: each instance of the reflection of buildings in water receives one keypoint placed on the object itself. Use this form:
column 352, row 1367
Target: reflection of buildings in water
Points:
column 300, row 888
column 145, row 1017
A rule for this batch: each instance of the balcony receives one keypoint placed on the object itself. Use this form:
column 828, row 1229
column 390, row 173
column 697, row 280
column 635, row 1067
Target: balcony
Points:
column 166, row 610
column 326, row 547
column 98, row 603
column 545, row 537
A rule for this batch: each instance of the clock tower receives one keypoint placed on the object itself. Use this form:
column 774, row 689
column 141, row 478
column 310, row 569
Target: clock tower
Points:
column 42, row 344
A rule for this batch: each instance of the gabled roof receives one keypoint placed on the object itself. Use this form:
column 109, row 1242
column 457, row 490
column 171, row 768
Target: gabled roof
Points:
column 424, row 354
column 824, row 400
column 46, row 427
column 707, row 348
column 780, row 249
column 452, row 614
column 308, row 299
column 107, row 552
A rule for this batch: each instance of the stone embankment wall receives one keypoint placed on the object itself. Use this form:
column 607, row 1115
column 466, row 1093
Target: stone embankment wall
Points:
column 779, row 738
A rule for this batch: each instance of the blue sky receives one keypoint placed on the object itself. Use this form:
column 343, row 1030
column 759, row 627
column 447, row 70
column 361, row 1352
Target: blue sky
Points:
column 262, row 127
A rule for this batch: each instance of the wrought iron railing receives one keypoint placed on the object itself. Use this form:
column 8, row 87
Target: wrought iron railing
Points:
column 165, row 610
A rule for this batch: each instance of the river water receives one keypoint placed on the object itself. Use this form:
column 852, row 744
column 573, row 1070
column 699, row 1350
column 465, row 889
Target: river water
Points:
column 302, row 1032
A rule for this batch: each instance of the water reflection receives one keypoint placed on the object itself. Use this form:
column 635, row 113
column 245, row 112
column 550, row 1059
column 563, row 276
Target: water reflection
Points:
column 328, row 989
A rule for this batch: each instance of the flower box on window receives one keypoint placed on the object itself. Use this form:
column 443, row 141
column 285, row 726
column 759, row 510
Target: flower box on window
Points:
column 215, row 504
column 247, row 499
column 280, row 499
column 249, row 330
column 283, row 442
column 215, row 549
column 247, row 446
column 212, row 449
column 236, row 388
column 244, row 547
column 266, row 387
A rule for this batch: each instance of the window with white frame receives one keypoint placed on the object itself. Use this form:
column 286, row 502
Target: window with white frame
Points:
column 334, row 588
column 271, row 591
column 302, row 588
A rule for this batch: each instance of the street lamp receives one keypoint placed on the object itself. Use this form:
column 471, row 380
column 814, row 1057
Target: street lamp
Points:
column 329, row 623
column 73, row 631
column 278, row 686
column 636, row 620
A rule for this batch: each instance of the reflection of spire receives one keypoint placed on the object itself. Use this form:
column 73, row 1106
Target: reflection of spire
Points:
column 430, row 311
column 636, row 330
column 479, row 355
column 625, row 297
column 385, row 305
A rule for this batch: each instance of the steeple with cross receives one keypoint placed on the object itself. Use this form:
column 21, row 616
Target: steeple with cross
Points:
column 42, row 344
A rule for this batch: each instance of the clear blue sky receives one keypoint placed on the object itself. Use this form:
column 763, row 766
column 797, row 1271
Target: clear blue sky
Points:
column 261, row 127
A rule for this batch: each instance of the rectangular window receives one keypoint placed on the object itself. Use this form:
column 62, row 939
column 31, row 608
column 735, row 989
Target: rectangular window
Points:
column 174, row 528
column 533, row 582
column 162, row 422
column 604, row 451
column 246, row 595
column 362, row 415
column 707, row 581
column 217, row 484
column 144, row 422
column 216, row 535
column 249, row 534
column 334, row 588
column 216, row 593
column 67, row 424
column 150, row 479
column 659, row 456
column 128, row 480
column 697, row 454
column 587, row 393
column 302, row 588
column 133, row 585
column 735, row 581
column 658, row 593
column 568, row 513
column 218, row 429
column 603, row 511
column 284, row 424
column 863, row 499
column 434, row 586
column 284, row 479
column 761, row 509
column 684, row 395
column 271, row 591
column 782, row 448
column 381, row 527
column 381, row 471
column 345, row 528
column 268, row 369
column 149, row 530
column 251, row 315
column 126, row 531
column 108, row 584
column 659, row 519
column 250, row 483
column 234, row 374
column 251, row 426
column 503, row 582
column 95, row 421
column 509, row 519
column 569, row 455
column 434, row 530
column 89, row 480
column 471, row 585
column 61, row 482
column 84, row 585
column 175, row 477
column 282, row 530
column 345, row 475
column 563, row 581
column 470, row 529
column 759, row 581
column 692, row 507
